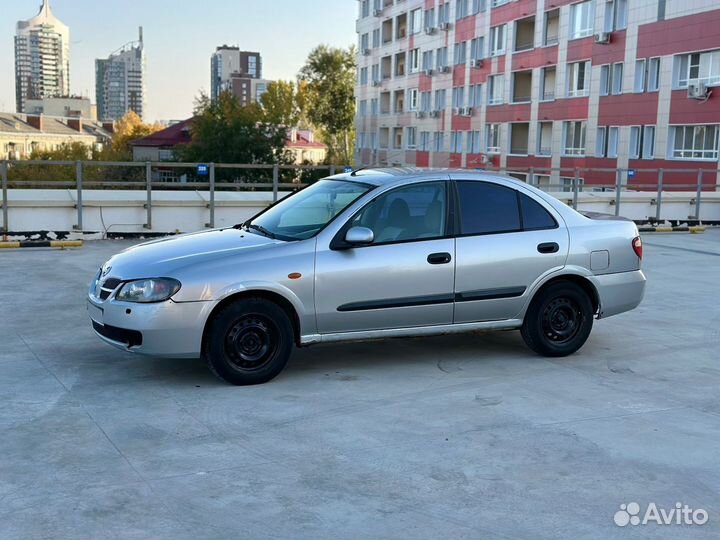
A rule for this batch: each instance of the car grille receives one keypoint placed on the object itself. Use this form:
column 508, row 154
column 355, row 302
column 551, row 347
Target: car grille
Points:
column 132, row 338
column 107, row 287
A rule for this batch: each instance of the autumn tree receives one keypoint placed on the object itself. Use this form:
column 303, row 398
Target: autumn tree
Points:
column 129, row 128
column 329, row 73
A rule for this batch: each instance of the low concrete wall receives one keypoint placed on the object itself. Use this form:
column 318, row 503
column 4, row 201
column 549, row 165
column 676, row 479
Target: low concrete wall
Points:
column 123, row 211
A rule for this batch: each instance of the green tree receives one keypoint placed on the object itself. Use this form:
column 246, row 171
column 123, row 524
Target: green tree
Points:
column 75, row 151
column 330, row 76
column 280, row 104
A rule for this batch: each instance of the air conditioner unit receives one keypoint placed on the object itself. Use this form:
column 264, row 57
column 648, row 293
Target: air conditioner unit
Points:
column 434, row 114
column 430, row 30
column 456, row 111
column 376, row 82
column 420, row 114
column 466, row 111
column 429, row 72
column 445, row 26
column 445, row 69
column 477, row 63
column 366, row 52
column 377, row 12
column 697, row 91
column 602, row 37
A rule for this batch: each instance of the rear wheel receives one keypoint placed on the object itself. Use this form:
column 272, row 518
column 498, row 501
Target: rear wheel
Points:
column 559, row 320
column 249, row 342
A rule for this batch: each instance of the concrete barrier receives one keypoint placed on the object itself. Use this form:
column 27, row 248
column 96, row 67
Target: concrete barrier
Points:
column 53, row 214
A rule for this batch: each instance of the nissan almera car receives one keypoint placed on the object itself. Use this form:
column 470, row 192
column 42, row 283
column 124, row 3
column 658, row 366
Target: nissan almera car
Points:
column 369, row 255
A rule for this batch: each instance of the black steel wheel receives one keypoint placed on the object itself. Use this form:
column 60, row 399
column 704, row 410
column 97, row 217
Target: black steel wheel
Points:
column 559, row 320
column 249, row 341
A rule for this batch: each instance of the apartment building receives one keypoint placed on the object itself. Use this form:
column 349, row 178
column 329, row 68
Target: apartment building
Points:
column 120, row 81
column 534, row 85
column 228, row 63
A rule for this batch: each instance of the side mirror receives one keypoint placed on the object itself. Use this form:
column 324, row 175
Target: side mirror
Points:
column 359, row 235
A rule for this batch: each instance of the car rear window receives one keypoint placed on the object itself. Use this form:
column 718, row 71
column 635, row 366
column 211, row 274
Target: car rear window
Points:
column 487, row 208
column 534, row 216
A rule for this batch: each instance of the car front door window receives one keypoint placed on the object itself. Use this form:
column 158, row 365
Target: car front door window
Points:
column 409, row 213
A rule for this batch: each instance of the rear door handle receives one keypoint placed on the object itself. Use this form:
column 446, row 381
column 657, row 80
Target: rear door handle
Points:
column 439, row 258
column 548, row 247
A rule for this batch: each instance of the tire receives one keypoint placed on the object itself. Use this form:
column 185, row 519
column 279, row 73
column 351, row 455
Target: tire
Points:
column 249, row 342
column 559, row 320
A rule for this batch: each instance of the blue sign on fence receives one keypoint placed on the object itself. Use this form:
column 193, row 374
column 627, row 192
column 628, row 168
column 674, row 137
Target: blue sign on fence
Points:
column 631, row 173
column 348, row 169
column 203, row 169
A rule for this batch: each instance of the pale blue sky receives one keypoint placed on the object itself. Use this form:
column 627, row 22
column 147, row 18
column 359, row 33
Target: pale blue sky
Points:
column 180, row 36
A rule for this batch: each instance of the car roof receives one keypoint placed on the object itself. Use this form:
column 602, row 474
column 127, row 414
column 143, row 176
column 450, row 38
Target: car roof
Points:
column 391, row 175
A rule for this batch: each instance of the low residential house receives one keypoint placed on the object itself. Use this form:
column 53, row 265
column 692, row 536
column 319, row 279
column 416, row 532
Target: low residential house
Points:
column 22, row 134
column 302, row 143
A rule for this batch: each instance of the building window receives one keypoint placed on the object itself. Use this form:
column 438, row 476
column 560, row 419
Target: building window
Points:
column 635, row 142
column 461, row 9
column 410, row 137
column 440, row 96
column 364, row 42
column 640, row 74
column 694, row 142
column 613, row 138
column 616, row 14
column 524, row 34
column 616, row 87
column 414, row 99
column 574, row 138
column 456, row 142
column 427, row 61
column 425, row 101
column 551, row 32
column 492, row 138
column 424, row 141
column 547, row 84
column 460, row 52
column 519, row 137
column 362, row 108
column 374, row 107
column 376, row 38
column 653, row 83
column 477, row 48
column 416, row 21
column 414, row 60
column 498, row 3
column 521, row 86
column 458, row 97
column 474, row 144
column 376, row 73
column 648, row 144
column 600, row 142
column 497, row 40
column 496, row 89
column 439, row 141
column 429, row 19
column 478, row 6
column 363, row 76
column 544, row 139
column 365, row 8
column 578, row 79
column 697, row 68
column 581, row 19
column 441, row 58
column 475, row 96
column 444, row 13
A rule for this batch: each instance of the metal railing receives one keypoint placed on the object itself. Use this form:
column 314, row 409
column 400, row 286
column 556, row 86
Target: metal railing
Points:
column 158, row 176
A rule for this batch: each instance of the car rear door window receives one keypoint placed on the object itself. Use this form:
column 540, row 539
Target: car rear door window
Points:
column 487, row 208
column 534, row 216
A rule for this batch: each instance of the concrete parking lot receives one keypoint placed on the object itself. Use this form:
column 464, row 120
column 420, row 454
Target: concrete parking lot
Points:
column 455, row 437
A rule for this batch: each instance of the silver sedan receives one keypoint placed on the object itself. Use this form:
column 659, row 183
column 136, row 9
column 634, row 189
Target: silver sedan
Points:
column 368, row 255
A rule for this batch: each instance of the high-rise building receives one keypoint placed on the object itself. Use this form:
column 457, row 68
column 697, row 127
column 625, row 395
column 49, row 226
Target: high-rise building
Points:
column 227, row 63
column 42, row 58
column 534, row 85
column 120, row 81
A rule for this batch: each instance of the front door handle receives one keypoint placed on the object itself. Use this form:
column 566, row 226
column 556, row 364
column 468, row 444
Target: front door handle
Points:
column 548, row 247
column 439, row 258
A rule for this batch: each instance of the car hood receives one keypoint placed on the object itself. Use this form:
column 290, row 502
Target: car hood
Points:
column 161, row 258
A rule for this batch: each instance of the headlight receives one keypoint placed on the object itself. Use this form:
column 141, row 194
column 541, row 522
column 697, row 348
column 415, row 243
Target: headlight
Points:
column 148, row 290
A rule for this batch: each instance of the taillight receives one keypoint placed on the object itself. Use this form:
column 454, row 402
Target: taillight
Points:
column 637, row 246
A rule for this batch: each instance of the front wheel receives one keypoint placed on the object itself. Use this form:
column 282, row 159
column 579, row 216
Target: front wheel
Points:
column 249, row 342
column 559, row 320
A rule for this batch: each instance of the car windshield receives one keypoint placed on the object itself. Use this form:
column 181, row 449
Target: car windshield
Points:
column 307, row 212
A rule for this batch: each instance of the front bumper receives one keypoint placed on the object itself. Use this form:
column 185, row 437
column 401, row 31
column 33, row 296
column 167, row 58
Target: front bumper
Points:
column 619, row 292
column 169, row 329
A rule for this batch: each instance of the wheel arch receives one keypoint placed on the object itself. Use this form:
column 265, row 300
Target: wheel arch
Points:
column 271, row 296
column 581, row 281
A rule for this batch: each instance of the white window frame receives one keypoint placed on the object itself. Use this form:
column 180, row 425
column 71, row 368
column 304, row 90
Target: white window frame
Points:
column 706, row 61
column 640, row 75
column 613, row 142
column 411, row 138
column 705, row 154
column 496, row 89
column 648, row 144
column 414, row 61
column 582, row 20
column 573, row 78
column 601, row 142
column 653, row 79
column 539, row 150
column 413, row 99
column 492, row 138
column 616, row 87
column 498, row 38
column 416, row 21
column 635, row 142
column 570, row 128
